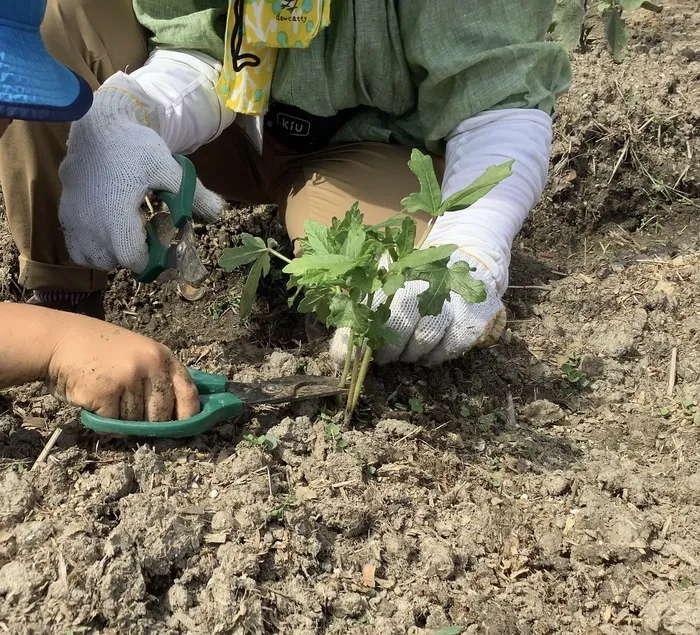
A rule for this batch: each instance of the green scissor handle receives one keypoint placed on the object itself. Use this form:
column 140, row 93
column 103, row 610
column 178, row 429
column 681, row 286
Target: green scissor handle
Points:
column 216, row 404
column 180, row 204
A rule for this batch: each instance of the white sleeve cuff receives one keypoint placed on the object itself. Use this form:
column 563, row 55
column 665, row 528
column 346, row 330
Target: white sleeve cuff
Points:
column 178, row 89
column 486, row 230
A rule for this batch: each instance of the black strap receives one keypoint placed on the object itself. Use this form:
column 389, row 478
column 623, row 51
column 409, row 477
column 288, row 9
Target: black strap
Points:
column 301, row 131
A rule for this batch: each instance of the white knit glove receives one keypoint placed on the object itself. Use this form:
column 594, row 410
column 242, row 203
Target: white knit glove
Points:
column 484, row 233
column 435, row 339
column 115, row 157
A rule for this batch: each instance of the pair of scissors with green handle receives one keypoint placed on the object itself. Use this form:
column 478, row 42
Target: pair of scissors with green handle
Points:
column 169, row 235
column 219, row 400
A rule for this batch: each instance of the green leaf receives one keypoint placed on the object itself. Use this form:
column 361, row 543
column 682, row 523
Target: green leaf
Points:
column 451, row 630
column 260, row 267
column 363, row 280
column 334, row 432
column 267, row 441
column 429, row 198
column 479, row 188
column 318, row 239
column 354, row 243
column 333, row 265
column 406, row 238
column 569, row 16
column 317, row 301
column 631, row 5
column 252, row 241
column 345, row 312
column 421, row 257
column 464, row 284
column 270, row 441
column 392, row 221
column 615, row 31
column 353, row 218
column 237, row 256
column 416, row 405
column 379, row 334
column 394, row 281
column 441, row 281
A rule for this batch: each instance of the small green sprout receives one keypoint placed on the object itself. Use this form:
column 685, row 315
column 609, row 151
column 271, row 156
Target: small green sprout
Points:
column 334, row 432
column 416, row 405
column 571, row 369
column 278, row 513
column 267, row 442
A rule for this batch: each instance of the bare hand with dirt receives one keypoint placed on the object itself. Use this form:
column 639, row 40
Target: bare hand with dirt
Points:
column 98, row 366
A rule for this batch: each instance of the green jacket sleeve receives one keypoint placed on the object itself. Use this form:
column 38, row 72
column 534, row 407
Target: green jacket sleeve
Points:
column 468, row 56
column 195, row 25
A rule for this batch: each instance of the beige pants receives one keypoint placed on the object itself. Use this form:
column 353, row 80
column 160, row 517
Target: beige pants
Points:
column 96, row 39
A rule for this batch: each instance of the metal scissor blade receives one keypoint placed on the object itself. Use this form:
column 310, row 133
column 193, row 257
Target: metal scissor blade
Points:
column 285, row 389
column 182, row 260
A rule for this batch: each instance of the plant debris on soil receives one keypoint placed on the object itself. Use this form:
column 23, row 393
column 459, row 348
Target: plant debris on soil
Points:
column 548, row 484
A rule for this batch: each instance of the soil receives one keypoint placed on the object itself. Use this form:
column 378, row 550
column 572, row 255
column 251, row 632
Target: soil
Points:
column 522, row 499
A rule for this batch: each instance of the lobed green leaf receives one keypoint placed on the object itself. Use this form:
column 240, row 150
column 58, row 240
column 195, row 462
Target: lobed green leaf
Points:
column 380, row 334
column 318, row 239
column 345, row 312
column 616, row 31
column 317, row 301
column 394, row 281
column 260, row 268
column 569, row 16
column 478, row 189
column 429, row 198
column 393, row 221
column 405, row 239
column 421, row 257
column 441, row 281
column 332, row 265
column 354, row 243
column 238, row 256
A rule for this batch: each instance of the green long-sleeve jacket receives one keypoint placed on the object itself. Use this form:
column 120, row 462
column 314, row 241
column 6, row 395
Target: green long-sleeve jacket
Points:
column 417, row 68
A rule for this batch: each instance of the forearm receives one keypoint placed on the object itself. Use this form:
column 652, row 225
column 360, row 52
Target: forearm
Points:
column 29, row 336
column 487, row 229
column 177, row 89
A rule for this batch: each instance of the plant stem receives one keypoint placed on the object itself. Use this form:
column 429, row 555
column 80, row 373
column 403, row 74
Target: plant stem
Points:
column 366, row 359
column 431, row 222
column 353, row 382
column 279, row 255
column 348, row 360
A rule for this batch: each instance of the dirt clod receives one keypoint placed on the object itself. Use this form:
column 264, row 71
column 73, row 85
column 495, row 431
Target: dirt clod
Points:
column 674, row 612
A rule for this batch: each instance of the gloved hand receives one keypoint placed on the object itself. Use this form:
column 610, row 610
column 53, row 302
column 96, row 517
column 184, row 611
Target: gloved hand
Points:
column 432, row 340
column 114, row 159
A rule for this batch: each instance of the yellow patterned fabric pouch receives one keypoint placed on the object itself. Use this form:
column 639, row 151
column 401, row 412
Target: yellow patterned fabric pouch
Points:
column 255, row 31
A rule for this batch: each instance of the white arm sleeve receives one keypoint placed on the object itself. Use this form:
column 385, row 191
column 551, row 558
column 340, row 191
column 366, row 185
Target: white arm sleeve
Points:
column 486, row 230
column 178, row 90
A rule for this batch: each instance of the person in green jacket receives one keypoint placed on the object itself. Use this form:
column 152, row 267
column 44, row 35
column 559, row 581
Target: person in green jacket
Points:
column 312, row 105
